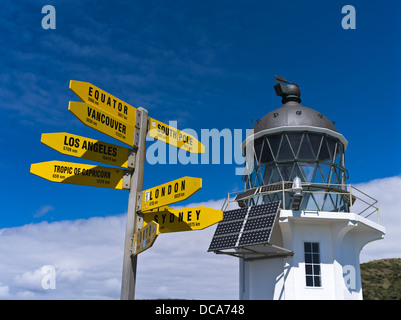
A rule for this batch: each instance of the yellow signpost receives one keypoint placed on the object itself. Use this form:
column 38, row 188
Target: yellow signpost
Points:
column 186, row 219
column 86, row 148
column 99, row 98
column 163, row 132
column 145, row 237
column 103, row 122
column 116, row 118
column 170, row 192
column 82, row 174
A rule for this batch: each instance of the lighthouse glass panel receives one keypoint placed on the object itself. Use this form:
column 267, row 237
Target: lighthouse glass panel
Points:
column 316, row 158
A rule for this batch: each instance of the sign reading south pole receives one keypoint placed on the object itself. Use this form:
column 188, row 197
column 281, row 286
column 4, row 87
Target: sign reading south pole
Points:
column 186, row 219
column 102, row 121
column 170, row 192
column 180, row 139
column 86, row 148
column 82, row 174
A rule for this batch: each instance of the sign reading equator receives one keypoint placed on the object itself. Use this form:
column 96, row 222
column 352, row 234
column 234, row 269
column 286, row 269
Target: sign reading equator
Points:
column 82, row 174
column 99, row 98
column 86, row 148
column 170, row 192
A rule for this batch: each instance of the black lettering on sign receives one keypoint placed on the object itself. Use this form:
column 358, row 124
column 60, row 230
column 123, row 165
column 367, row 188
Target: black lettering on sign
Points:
column 163, row 192
column 106, row 120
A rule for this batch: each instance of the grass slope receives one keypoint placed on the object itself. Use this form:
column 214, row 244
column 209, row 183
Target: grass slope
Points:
column 381, row 279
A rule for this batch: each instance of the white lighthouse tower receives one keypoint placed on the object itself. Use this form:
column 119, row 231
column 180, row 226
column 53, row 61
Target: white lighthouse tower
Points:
column 300, row 227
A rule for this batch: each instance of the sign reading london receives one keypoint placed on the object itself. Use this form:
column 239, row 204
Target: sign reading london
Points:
column 187, row 219
column 82, row 174
column 86, row 148
column 170, row 192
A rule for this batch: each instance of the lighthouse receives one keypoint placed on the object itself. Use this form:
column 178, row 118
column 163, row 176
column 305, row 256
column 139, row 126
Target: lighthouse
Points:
column 298, row 227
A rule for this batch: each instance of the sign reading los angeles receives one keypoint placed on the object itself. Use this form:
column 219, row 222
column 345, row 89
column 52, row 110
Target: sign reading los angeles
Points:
column 145, row 237
column 170, row 192
column 86, row 148
column 186, row 219
column 82, row 174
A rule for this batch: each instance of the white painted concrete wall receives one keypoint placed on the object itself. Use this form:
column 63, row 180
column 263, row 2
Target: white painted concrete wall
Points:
column 341, row 237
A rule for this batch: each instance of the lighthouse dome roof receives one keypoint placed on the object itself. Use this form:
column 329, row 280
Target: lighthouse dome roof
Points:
column 293, row 114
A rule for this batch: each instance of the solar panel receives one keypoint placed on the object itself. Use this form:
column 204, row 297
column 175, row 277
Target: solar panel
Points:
column 229, row 227
column 234, row 214
column 275, row 187
column 245, row 194
column 258, row 223
column 223, row 242
column 255, row 237
column 246, row 226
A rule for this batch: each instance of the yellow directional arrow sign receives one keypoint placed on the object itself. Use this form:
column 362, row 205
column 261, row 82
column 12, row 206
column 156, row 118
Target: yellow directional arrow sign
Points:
column 99, row 98
column 144, row 238
column 103, row 122
column 170, row 192
column 126, row 114
column 82, row 174
column 187, row 219
column 90, row 149
column 163, row 132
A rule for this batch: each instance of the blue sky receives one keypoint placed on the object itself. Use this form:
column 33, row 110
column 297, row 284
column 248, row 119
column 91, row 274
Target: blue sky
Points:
column 206, row 64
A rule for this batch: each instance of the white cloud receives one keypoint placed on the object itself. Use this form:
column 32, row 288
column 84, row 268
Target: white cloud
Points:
column 43, row 210
column 87, row 256
column 387, row 192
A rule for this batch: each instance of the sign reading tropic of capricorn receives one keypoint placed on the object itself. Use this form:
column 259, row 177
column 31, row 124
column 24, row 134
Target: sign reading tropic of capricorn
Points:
column 82, row 174
column 116, row 118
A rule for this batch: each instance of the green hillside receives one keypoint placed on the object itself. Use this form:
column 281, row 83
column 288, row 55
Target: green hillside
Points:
column 381, row 279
